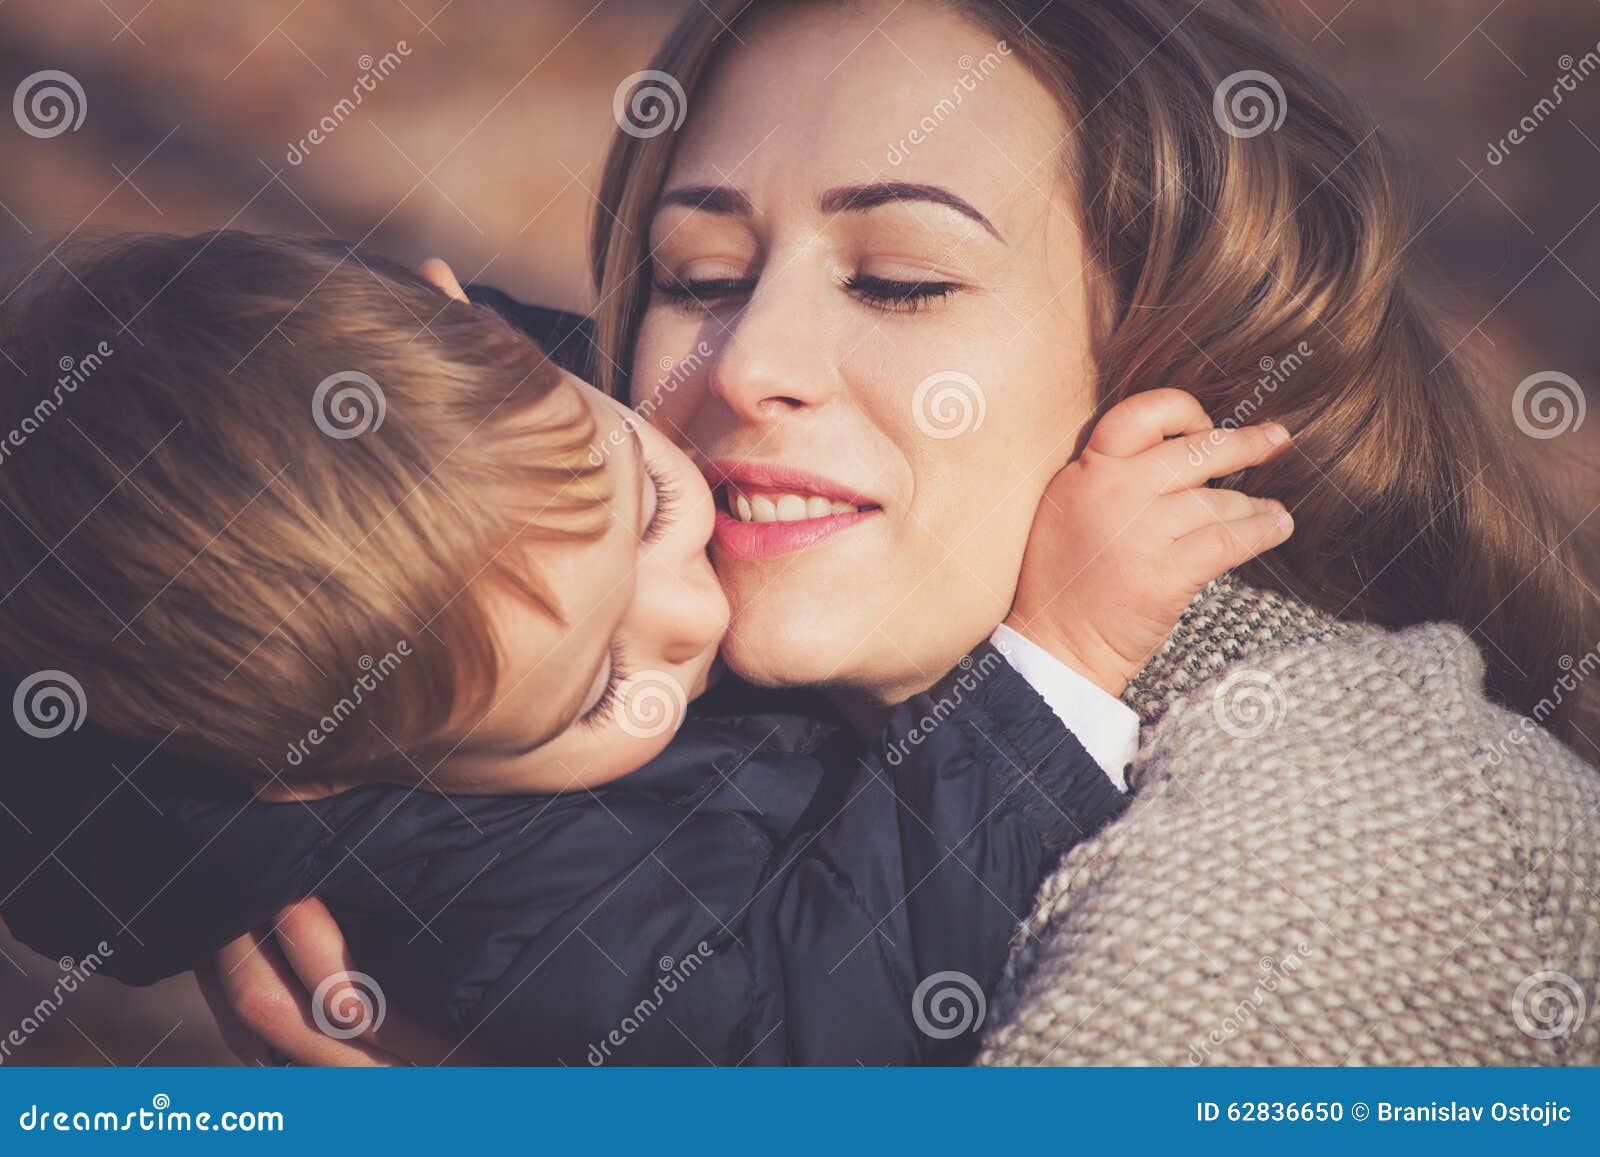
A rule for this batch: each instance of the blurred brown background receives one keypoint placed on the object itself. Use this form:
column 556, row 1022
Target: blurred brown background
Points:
column 484, row 145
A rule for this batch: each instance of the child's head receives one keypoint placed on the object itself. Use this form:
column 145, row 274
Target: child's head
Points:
column 289, row 510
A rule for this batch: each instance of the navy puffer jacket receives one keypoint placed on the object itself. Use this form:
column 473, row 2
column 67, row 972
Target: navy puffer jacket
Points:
column 770, row 890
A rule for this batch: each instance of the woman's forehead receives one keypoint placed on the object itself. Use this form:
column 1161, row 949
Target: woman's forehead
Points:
column 824, row 96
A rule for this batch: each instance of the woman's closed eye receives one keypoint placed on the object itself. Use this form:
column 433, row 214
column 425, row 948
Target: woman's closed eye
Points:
column 885, row 294
column 895, row 296
column 697, row 295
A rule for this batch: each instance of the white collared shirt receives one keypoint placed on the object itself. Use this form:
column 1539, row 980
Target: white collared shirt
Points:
column 1107, row 727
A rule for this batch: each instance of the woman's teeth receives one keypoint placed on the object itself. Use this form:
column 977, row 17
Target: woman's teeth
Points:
column 785, row 507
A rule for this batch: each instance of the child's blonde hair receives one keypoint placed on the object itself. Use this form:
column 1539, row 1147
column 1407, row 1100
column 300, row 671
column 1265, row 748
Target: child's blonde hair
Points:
column 247, row 479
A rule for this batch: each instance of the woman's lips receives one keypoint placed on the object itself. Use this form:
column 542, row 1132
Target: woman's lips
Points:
column 737, row 539
column 766, row 510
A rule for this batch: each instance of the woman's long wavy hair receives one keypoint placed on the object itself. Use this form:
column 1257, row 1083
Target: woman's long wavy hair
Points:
column 1216, row 248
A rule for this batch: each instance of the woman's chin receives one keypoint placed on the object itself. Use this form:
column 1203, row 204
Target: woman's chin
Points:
column 789, row 648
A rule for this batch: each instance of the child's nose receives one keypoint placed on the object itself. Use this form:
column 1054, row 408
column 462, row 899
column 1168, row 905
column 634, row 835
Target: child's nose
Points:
column 701, row 617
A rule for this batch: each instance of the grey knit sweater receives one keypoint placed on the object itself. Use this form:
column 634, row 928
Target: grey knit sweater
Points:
column 1338, row 852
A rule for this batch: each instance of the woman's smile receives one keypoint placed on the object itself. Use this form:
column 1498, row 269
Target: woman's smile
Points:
column 765, row 510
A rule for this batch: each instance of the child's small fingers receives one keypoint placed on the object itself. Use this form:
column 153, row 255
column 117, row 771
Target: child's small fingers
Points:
column 1190, row 510
column 1216, row 549
column 1136, row 424
column 439, row 274
column 1195, row 460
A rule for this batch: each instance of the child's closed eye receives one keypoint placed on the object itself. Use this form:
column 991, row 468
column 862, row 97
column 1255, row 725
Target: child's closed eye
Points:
column 667, row 497
column 600, row 713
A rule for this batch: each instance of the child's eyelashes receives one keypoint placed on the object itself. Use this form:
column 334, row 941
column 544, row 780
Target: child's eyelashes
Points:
column 600, row 713
column 667, row 496
column 885, row 294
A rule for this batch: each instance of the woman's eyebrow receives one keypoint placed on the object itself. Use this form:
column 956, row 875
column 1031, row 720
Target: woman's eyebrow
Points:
column 858, row 198
column 721, row 199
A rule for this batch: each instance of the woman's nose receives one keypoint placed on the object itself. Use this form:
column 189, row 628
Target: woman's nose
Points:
column 772, row 359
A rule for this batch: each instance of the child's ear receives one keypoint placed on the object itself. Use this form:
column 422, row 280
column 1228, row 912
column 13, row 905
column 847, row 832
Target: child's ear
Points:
column 438, row 274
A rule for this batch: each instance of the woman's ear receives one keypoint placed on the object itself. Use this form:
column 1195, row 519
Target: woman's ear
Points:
column 437, row 273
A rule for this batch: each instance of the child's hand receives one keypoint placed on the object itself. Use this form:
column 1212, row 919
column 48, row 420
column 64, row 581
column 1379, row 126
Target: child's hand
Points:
column 1128, row 533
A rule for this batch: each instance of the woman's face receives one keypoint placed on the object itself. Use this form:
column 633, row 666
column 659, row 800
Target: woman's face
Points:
column 869, row 329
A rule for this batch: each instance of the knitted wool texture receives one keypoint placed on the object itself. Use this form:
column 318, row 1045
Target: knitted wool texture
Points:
column 1338, row 852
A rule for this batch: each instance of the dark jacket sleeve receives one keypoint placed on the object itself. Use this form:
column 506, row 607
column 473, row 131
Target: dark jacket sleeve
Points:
column 868, row 930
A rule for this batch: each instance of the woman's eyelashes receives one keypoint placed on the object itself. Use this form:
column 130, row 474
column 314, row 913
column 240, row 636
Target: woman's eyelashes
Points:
column 892, row 296
column 698, row 296
column 884, row 294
